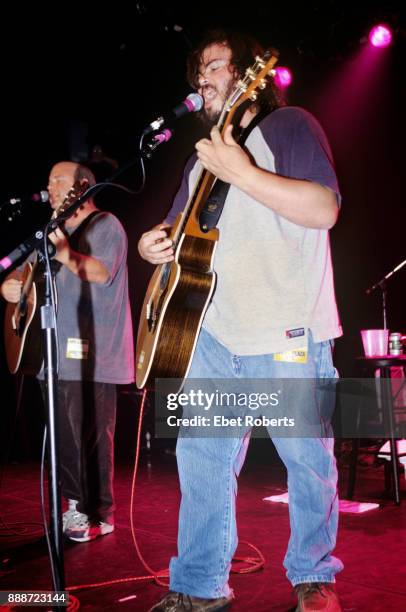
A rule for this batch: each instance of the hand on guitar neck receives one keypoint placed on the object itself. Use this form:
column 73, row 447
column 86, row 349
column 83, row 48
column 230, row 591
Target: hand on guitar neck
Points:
column 224, row 157
column 60, row 241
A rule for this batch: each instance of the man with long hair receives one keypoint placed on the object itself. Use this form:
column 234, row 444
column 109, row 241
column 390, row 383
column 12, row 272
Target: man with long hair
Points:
column 273, row 315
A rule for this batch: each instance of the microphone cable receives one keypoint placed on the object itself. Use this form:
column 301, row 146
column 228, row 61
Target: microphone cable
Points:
column 253, row 564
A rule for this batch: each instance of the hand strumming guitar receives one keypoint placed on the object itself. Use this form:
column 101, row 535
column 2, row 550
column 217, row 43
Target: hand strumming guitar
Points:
column 155, row 246
column 11, row 290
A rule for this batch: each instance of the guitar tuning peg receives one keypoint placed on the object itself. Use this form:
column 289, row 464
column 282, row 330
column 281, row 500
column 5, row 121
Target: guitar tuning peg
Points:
column 253, row 96
column 250, row 73
column 262, row 84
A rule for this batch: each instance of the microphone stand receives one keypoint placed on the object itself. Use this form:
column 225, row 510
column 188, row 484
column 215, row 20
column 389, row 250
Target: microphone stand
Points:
column 26, row 247
column 382, row 285
column 48, row 326
column 38, row 241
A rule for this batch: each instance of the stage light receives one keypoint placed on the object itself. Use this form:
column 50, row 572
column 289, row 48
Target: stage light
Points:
column 283, row 77
column 380, row 36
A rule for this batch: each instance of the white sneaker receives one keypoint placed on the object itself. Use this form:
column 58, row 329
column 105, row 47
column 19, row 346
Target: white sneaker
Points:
column 66, row 516
column 82, row 529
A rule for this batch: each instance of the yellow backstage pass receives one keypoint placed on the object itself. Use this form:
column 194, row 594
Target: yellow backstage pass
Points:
column 293, row 356
column 77, row 348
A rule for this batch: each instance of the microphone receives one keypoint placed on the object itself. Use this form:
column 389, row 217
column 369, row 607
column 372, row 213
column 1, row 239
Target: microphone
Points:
column 157, row 140
column 193, row 103
column 42, row 196
column 163, row 136
column 13, row 206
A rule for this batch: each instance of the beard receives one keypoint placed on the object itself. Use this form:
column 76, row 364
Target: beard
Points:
column 208, row 121
column 211, row 117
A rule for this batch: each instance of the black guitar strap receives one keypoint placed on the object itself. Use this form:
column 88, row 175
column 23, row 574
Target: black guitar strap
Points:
column 74, row 238
column 77, row 233
column 213, row 207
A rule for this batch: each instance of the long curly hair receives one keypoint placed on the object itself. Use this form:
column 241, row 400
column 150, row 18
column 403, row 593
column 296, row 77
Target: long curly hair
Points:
column 244, row 49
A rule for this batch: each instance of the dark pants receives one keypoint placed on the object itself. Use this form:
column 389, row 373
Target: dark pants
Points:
column 87, row 418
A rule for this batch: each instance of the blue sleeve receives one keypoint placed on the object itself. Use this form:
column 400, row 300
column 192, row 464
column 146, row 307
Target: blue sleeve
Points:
column 182, row 195
column 300, row 147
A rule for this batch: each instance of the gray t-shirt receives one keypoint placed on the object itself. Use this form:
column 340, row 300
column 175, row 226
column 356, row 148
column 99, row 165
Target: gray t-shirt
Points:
column 94, row 320
column 274, row 278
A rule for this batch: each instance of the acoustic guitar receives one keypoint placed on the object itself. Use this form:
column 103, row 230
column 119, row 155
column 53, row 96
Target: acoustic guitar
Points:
column 22, row 325
column 179, row 292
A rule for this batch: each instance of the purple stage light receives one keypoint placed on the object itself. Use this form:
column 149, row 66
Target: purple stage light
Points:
column 283, row 77
column 380, row 36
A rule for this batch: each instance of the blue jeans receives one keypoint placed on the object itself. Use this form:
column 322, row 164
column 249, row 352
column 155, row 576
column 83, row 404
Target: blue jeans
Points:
column 208, row 469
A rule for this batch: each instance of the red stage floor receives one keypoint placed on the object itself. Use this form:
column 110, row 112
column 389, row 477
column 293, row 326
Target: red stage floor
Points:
column 372, row 545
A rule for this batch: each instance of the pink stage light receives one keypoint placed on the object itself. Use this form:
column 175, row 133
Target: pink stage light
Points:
column 283, row 77
column 380, row 36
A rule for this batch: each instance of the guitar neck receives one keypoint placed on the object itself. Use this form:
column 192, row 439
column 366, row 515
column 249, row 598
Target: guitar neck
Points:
column 205, row 180
column 245, row 93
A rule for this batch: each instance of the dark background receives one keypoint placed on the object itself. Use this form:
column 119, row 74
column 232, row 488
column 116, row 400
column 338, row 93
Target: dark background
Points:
column 95, row 76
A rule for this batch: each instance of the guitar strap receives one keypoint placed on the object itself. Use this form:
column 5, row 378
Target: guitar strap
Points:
column 213, row 207
column 74, row 238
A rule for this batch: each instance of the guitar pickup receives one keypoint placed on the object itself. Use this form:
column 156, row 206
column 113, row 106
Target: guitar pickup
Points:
column 150, row 316
column 23, row 307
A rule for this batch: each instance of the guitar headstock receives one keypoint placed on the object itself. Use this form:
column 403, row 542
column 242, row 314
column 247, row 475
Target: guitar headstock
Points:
column 256, row 78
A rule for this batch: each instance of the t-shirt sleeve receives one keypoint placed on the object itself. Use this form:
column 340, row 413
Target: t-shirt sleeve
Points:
column 182, row 195
column 105, row 240
column 300, row 147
